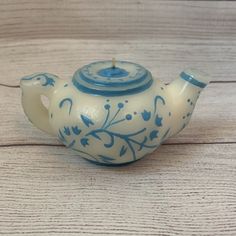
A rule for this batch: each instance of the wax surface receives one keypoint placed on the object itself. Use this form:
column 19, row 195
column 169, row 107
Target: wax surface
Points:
column 113, row 72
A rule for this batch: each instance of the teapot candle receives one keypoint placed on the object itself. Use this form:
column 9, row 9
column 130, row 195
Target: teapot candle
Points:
column 112, row 112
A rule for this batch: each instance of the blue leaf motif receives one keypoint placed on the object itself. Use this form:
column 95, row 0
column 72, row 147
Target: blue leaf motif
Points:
column 146, row 115
column 67, row 130
column 106, row 158
column 95, row 135
column 61, row 136
column 66, row 100
column 87, row 121
column 84, row 142
column 165, row 135
column 155, row 102
column 111, row 143
column 158, row 121
column 123, row 150
column 76, row 130
column 142, row 144
column 153, row 134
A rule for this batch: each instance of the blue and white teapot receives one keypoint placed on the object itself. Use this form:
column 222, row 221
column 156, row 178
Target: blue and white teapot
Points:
column 111, row 112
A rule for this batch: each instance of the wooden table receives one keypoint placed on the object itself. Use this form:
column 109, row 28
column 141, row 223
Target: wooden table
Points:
column 186, row 187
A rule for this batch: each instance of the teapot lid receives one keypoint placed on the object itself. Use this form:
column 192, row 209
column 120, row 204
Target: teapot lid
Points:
column 112, row 78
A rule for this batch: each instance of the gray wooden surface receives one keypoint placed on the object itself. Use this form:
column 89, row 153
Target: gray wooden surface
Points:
column 187, row 187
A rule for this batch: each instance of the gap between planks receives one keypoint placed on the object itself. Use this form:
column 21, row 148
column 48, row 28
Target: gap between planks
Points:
column 212, row 82
column 61, row 145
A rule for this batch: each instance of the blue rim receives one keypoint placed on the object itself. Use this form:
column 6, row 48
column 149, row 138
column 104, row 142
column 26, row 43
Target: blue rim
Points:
column 111, row 93
column 88, row 80
column 191, row 80
column 111, row 84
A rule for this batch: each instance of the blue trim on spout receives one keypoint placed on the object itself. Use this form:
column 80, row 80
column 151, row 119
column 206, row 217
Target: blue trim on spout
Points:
column 191, row 80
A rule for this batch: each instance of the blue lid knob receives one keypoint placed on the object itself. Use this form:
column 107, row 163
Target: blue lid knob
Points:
column 113, row 72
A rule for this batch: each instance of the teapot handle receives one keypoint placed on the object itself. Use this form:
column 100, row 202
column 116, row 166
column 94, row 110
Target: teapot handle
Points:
column 33, row 87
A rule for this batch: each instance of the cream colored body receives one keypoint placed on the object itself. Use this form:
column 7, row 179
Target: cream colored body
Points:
column 81, row 121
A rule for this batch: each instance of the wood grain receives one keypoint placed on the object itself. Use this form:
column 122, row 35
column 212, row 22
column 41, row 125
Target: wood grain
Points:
column 213, row 119
column 162, row 20
column 187, row 190
column 64, row 56
column 187, row 187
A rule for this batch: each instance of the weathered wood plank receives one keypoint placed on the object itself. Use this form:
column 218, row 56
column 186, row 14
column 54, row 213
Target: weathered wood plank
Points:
column 165, row 61
column 213, row 120
column 165, row 20
column 177, row 190
column 187, row 190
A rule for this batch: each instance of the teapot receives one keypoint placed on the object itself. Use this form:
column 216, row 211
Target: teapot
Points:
column 112, row 112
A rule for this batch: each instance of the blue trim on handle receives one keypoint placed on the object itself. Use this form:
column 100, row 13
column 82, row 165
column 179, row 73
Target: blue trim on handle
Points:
column 191, row 80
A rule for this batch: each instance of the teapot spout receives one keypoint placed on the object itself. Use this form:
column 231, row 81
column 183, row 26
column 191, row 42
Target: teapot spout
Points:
column 184, row 93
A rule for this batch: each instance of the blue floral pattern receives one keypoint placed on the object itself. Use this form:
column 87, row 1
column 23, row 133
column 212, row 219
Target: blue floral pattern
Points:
column 131, row 143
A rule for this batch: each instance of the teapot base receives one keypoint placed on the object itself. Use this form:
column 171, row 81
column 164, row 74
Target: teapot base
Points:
column 110, row 165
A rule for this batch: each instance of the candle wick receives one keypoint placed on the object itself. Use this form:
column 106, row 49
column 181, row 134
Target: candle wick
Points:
column 113, row 63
